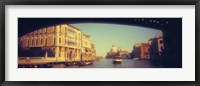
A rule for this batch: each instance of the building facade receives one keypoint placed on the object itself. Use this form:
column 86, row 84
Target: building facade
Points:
column 61, row 42
column 93, row 52
column 114, row 51
column 123, row 54
column 141, row 51
column 156, row 47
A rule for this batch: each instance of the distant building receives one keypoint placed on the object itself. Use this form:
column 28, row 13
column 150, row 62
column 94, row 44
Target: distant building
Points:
column 141, row 50
column 61, row 42
column 123, row 54
column 93, row 51
column 150, row 41
column 114, row 51
column 156, row 47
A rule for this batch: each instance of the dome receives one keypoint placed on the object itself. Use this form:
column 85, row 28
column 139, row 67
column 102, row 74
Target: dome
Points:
column 113, row 49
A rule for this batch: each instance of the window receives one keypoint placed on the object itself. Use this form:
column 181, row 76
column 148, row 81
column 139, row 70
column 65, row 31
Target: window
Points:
column 161, row 48
column 36, row 41
column 46, row 41
column 146, row 53
column 40, row 40
column 161, row 41
column 60, row 40
column 32, row 41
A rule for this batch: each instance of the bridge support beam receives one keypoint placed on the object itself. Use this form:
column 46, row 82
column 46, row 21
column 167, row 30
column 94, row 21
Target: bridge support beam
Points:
column 172, row 47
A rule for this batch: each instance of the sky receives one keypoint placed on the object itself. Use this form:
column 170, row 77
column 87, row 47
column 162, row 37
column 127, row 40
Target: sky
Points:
column 105, row 35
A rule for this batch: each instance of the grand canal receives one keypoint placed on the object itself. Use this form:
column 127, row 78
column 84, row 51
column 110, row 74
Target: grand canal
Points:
column 108, row 63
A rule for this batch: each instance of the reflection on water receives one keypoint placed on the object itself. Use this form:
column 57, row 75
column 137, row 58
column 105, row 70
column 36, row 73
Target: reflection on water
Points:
column 108, row 63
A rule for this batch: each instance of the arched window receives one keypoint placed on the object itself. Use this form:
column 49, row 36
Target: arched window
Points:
column 36, row 41
column 32, row 41
column 60, row 40
column 41, row 41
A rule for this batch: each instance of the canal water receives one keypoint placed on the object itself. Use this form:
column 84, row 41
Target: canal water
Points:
column 108, row 63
